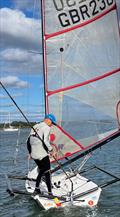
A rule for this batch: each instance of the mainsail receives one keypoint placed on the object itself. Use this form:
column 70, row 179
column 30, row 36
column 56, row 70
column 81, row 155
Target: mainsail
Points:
column 81, row 47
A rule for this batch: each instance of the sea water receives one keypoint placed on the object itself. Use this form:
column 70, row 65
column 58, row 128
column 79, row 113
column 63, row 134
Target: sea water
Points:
column 13, row 160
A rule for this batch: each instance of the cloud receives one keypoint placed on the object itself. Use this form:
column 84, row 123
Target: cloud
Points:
column 21, row 4
column 14, row 55
column 19, row 36
column 13, row 81
column 17, row 61
column 13, row 95
column 28, row 5
column 6, row 105
column 19, row 31
column 19, row 56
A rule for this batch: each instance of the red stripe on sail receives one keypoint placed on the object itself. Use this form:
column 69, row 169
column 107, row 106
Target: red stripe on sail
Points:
column 84, row 83
column 47, row 36
column 70, row 137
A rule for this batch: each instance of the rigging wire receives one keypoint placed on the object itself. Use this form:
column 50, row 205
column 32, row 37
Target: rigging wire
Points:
column 16, row 104
column 84, row 162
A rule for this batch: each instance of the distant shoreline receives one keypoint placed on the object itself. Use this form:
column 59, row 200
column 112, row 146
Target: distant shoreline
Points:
column 22, row 124
column 18, row 124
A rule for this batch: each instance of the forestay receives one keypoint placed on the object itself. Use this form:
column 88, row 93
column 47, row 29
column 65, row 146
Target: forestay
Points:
column 82, row 71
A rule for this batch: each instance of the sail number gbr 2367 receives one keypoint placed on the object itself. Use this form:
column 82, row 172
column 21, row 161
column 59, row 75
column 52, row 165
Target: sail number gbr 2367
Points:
column 79, row 10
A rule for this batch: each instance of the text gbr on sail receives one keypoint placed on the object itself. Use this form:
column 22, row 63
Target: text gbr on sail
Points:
column 79, row 11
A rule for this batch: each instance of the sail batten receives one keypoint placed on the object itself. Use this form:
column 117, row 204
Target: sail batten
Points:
column 47, row 36
column 85, row 82
column 80, row 20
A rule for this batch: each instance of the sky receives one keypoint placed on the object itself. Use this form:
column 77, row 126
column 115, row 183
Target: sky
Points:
column 21, row 59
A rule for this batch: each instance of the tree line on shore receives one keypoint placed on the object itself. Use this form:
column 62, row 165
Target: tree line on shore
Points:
column 18, row 124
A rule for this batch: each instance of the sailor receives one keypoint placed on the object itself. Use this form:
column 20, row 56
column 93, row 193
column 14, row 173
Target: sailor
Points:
column 39, row 148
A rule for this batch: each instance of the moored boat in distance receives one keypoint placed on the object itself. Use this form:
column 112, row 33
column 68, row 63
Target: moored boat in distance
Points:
column 8, row 127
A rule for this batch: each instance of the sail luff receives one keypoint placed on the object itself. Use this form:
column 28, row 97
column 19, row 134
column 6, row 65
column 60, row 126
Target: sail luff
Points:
column 117, row 18
column 44, row 54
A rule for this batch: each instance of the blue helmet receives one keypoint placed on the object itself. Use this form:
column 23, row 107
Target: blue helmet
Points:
column 51, row 117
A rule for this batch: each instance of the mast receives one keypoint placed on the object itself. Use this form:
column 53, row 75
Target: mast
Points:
column 43, row 50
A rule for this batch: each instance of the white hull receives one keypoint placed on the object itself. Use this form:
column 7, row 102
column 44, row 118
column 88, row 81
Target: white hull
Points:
column 85, row 192
column 10, row 129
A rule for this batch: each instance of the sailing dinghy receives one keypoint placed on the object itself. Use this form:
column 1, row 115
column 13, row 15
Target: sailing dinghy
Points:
column 10, row 128
column 81, row 68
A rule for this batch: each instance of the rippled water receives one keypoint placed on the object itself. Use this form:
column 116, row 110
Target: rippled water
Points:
column 108, row 158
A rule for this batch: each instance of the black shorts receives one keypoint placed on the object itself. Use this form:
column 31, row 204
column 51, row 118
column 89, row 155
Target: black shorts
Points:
column 43, row 164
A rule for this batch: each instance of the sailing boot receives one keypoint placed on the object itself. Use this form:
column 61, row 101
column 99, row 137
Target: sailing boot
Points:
column 37, row 191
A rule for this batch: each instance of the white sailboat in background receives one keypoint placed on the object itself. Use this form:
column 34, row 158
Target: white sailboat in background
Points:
column 81, row 70
column 8, row 127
